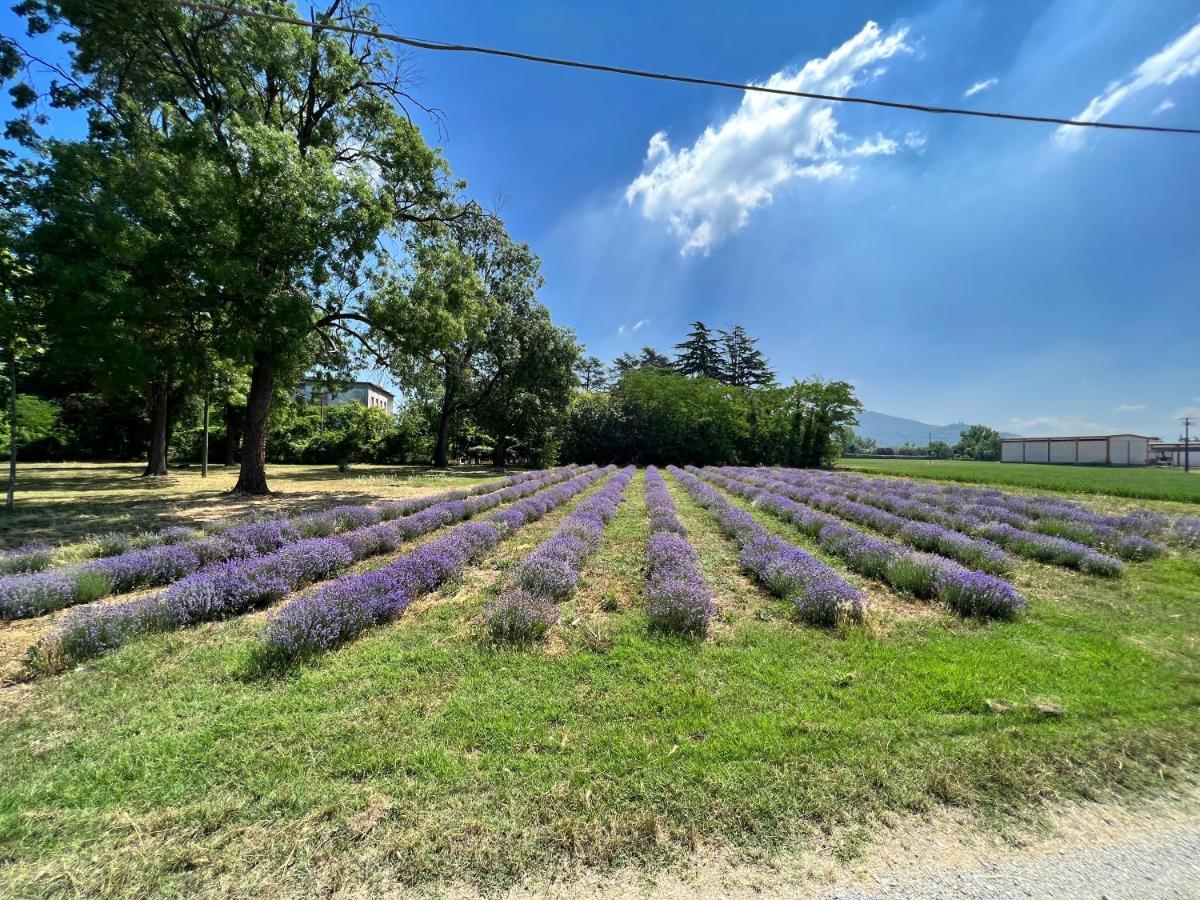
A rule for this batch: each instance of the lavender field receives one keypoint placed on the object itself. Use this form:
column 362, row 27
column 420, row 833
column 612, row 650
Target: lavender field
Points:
column 581, row 666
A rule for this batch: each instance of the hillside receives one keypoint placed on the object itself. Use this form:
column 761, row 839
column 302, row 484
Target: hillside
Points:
column 891, row 431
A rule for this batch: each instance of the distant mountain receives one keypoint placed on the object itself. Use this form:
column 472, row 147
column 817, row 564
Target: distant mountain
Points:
column 892, row 431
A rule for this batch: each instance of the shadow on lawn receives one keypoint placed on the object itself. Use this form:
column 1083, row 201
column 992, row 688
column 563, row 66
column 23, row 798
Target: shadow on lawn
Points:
column 57, row 504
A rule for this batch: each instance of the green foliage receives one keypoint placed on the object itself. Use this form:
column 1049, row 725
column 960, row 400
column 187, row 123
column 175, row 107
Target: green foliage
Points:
column 940, row 450
column 700, row 354
column 37, row 422
column 654, row 416
column 340, row 434
column 743, row 364
column 978, row 442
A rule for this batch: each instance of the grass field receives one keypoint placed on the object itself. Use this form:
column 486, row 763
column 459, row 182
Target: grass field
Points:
column 1138, row 483
column 419, row 755
column 63, row 502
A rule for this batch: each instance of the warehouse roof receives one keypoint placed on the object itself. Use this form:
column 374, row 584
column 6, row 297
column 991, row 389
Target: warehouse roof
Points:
column 1081, row 437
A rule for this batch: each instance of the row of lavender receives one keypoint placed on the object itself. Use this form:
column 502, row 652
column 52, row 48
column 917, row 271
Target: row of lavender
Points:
column 890, row 508
column 965, row 590
column 973, row 552
column 819, row 594
column 341, row 610
column 230, row 588
column 678, row 599
column 528, row 604
column 22, row 596
column 1134, row 535
column 38, row 557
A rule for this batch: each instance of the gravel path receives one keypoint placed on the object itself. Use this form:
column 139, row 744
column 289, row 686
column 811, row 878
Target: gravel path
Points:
column 1165, row 865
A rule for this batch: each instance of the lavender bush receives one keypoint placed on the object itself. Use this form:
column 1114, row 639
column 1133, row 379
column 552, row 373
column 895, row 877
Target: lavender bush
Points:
column 967, row 591
column 678, row 599
column 549, row 574
column 994, row 525
column 22, row 596
column 30, row 558
column 234, row 586
column 337, row 612
column 818, row 594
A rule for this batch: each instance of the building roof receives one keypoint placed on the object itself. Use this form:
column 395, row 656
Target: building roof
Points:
column 1175, row 445
column 1081, row 437
column 352, row 384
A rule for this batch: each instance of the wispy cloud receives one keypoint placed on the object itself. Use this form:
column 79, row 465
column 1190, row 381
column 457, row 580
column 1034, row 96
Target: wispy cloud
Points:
column 1130, row 407
column 706, row 192
column 636, row 326
column 1179, row 59
column 1191, row 411
column 981, row 86
column 1052, row 425
column 915, row 140
column 1164, row 106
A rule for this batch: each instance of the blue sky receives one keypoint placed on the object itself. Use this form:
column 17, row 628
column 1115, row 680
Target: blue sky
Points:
column 953, row 269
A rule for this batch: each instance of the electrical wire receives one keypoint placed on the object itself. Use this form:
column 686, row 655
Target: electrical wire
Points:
column 663, row 76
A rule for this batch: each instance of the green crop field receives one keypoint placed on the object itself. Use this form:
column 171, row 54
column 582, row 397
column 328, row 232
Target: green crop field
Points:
column 420, row 755
column 1140, row 483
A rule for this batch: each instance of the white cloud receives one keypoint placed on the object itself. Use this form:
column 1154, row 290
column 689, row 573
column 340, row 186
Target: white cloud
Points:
column 1130, row 407
column 1164, row 106
column 706, row 192
column 636, row 326
column 1179, row 59
column 1052, row 425
column 914, row 140
column 1192, row 411
column 981, row 86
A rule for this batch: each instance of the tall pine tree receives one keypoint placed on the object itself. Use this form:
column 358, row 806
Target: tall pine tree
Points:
column 745, row 366
column 700, row 354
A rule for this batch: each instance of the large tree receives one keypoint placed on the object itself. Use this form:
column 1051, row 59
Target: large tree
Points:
column 700, row 354
column 460, row 321
column 978, row 442
column 648, row 358
column 592, row 374
column 532, row 393
column 744, row 364
column 303, row 156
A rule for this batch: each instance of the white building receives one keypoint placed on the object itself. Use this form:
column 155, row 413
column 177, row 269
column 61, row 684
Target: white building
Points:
column 364, row 392
column 1170, row 453
column 1081, row 450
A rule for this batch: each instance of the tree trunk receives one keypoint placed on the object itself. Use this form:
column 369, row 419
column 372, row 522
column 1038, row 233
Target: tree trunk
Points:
column 159, row 408
column 204, row 439
column 12, row 428
column 253, row 477
column 441, row 450
column 500, row 453
column 233, row 434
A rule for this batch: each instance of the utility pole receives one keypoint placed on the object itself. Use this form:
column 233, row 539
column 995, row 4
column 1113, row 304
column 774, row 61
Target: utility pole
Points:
column 1187, row 434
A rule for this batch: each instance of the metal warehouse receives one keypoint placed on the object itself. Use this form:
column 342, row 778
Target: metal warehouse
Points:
column 1171, row 453
column 1079, row 450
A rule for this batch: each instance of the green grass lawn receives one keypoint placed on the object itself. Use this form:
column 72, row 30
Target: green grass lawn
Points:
column 420, row 756
column 1140, row 483
column 65, row 502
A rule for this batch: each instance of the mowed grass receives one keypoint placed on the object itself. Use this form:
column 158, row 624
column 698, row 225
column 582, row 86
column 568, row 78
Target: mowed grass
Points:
column 421, row 756
column 61, row 503
column 1146, row 483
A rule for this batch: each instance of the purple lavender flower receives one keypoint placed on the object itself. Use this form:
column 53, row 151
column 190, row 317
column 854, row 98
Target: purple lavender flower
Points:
column 678, row 599
column 820, row 596
column 518, row 617
column 551, row 572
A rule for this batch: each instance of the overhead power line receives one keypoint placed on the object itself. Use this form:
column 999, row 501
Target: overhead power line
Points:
column 664, row 76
